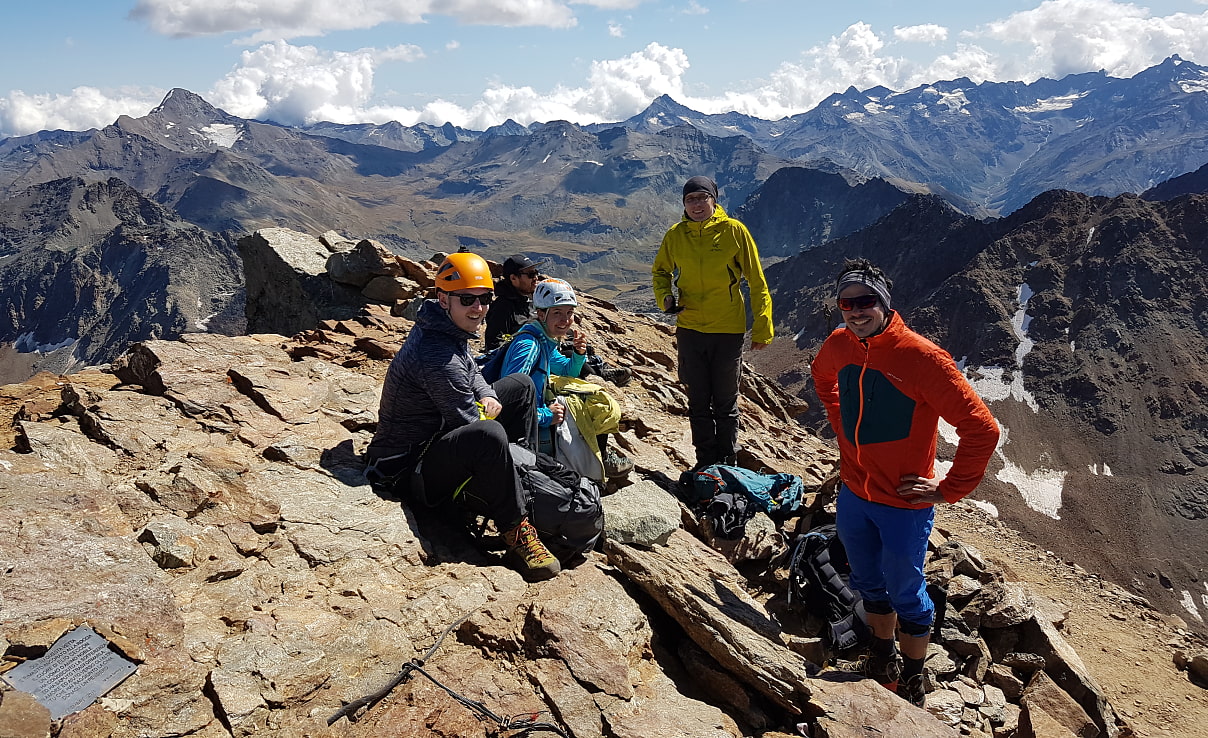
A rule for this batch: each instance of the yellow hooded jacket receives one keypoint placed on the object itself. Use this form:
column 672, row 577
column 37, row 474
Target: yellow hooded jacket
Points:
column 706, row 260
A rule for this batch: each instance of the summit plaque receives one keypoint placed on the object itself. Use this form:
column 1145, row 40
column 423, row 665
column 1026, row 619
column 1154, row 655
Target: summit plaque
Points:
column 76, row 670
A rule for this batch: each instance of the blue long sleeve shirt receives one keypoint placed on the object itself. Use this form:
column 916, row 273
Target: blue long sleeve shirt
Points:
column 534, row 353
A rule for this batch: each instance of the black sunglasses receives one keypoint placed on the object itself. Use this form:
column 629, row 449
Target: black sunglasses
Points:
column 862, row 302
column 467, row 299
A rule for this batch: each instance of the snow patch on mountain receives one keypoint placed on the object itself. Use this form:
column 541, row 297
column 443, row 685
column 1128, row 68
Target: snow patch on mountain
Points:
column 1019, row 325
column 1190, row 606
column 1193, row 86
column 1040, row 489
column 220, row 134
column 992, row 382
column 1051, row 104
column 955, row 101
column 26, row 344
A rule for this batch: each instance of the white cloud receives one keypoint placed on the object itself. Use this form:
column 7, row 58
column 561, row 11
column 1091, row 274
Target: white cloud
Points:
column 616, row 4
column 303, row 84
column 927, row 33
column 1070, row 36
column 694, row 8
column 615, row 89
column 83, row 108
column 452, row 46
column 616, row 30
column 272, row 19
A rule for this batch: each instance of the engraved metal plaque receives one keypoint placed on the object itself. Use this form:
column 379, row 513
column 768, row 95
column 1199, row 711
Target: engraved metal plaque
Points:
column 76, row 670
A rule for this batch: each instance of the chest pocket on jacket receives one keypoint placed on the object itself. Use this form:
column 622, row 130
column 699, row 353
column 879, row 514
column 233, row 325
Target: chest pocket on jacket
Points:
column 887, row 412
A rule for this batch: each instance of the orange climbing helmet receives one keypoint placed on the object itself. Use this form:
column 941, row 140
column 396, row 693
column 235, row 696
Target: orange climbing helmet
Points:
column 462, row 271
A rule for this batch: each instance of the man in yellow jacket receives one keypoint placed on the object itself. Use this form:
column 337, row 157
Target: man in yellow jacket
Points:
column 704, row 257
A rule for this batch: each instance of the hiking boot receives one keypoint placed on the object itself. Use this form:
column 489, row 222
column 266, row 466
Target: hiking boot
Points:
column 617, row 375
column 528, row 554
column 883, row 669
column 914, row 690
column 616, row 465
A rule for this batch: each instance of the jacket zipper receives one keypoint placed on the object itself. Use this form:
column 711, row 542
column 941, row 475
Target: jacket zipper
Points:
column 860, row 412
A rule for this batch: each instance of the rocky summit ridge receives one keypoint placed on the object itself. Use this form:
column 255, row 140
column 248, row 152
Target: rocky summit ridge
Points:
column 200, row 503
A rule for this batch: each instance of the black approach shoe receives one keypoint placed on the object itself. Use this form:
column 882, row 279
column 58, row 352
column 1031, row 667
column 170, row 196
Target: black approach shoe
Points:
column 884, row 670
column 914, row 690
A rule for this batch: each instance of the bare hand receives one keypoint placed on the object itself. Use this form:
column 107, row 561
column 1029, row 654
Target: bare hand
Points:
column 668, row 303
column 755, row 346
column 559, row 412
column 491, row 407
column 579, row 339
column 920, row 489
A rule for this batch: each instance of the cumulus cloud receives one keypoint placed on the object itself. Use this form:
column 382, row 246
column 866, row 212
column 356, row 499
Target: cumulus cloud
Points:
column 616, row 30
column 617, row 4
column 83, row 108
column 1069, row 36
column 297, row 85
column 615, row 89
column 928, row 33
column 694, row 8
column 273, row 19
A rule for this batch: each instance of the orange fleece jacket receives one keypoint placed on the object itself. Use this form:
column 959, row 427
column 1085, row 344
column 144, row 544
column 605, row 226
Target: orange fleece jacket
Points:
column 884, row 398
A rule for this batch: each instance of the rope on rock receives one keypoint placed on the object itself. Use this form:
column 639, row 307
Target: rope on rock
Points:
column 527, row 723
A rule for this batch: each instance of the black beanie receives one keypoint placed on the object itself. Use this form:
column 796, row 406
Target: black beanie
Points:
column 701, row 184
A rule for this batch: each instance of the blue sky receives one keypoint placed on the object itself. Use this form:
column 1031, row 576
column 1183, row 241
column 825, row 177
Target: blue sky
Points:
column 76, row 64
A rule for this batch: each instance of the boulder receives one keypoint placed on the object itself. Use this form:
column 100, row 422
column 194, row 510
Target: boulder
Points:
column 361, row 264
column 641, row 514
column 288, row 289
column 1043, row 702
column 390, row 289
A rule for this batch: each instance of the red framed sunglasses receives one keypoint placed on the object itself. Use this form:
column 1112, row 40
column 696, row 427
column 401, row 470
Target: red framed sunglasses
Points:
column 860, row 302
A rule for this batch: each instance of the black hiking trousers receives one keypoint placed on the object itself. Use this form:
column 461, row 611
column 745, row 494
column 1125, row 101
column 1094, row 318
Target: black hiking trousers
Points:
column 710, row 366
column 472, row 465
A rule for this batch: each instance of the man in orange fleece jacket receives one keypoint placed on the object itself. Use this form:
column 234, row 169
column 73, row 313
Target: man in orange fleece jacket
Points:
column 885, row 388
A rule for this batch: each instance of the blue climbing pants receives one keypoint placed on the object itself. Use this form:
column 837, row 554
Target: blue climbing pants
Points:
column 886, row 547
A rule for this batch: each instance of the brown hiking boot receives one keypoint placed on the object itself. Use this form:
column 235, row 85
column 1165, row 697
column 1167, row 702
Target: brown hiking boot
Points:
column 528, row 554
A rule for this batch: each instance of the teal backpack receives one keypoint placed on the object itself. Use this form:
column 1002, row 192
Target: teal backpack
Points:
column 775, row 494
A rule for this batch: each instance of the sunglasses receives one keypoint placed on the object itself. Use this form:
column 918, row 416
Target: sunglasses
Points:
column 467, row 299
column 862, row 302
column 531, row 275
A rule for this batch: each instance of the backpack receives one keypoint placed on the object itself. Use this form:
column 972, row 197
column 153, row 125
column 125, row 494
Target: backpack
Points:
column 563, row 506
column 491, row 363
column 776, row 494
column 818, row 574
column 728, row 514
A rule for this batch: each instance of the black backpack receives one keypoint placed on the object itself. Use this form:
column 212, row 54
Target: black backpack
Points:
column 818, row 574
column 564, row 507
